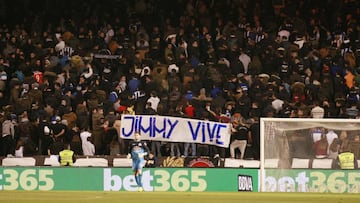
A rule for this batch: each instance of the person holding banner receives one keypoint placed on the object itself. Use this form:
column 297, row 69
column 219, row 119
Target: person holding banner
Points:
column 137, row 150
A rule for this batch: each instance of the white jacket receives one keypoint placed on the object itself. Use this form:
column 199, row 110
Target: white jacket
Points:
column 87, row 147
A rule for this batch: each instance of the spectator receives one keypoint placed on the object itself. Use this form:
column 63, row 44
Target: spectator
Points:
column 19, row 151
column 354, row 145
column 8, row 135
column 176, row 147
column 330, row 136
column 151, row 161
column 46, row 138
column 317, row 111
column 189, row 112
column 58, row 129
column 88, row 147
column 239, row 137
column 320, row 147
column 154, row 100
column 110, row 136
column 347, row 160
column 334, row 149
column 67, row 156
column 75, row 140
column 98, row 130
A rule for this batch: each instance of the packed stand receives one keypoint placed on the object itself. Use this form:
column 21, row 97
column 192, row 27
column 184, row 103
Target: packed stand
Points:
column 67, row 76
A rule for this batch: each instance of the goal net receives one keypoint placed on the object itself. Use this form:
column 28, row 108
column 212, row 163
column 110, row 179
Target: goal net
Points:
column 293, row 143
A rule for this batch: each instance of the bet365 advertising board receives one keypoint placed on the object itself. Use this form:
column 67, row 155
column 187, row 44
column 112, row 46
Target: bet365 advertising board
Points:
column 179, row 179
column 122, row 179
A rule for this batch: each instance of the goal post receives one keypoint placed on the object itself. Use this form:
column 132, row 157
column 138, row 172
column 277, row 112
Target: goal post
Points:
column 303, row 143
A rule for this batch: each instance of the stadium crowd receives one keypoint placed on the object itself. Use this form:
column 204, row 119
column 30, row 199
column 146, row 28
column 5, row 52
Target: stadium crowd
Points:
column 69, row 69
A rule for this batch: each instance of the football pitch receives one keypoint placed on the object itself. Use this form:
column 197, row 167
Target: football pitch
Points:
column 173, row 197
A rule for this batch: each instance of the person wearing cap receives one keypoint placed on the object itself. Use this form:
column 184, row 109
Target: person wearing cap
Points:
column 57, row 128
column 137, row 150
column 35, row 94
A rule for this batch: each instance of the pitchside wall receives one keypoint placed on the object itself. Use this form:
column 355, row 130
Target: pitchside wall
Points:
column 178, row 179
column 121, row 179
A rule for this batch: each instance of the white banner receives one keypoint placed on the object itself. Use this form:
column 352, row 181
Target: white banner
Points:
column 175, row 129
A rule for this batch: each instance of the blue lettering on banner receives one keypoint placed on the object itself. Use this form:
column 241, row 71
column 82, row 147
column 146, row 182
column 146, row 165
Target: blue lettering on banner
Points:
column 158, row 130
column 211, row 131
column 172, row 127
column 207, row 129
column 175, row 129
column 138, row 123
column 194, row 134
column 148, row 128
column 128, row 134
column 203, row 131
column 218, row 136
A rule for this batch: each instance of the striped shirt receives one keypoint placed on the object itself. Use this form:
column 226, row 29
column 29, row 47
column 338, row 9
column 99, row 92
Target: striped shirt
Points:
column 66, row 51
column 138, row 94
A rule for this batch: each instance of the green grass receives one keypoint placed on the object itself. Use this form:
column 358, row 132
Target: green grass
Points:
column 173, row 197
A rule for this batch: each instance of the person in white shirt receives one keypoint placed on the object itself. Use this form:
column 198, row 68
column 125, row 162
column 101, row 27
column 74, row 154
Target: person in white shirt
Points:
column 109, row 33
column 87, row 146
column 245, row 60
column 19, row 151
column 317, row 111
column 277, row 103
column 154, row 100
column 330, row 136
